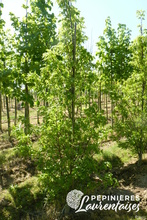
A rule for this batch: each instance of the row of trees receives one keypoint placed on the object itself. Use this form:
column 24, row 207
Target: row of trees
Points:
column 22, row 53
column 59, row 71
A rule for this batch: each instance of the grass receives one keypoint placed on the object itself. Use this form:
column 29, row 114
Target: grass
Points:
column 5, row 195
column 33, row 116
column 124, row 154
column 27, row 194
column 23, row 198
column 4, row 137
column 138, row 218
column 115, row 155
column 32, row 183
column 7, row 155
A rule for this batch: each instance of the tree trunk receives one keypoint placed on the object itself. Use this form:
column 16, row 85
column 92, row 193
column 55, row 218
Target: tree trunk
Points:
column 86, row 104
column 140, row 157
column 107, row 108
column 9, row 102
column 111, row 95
column 142, row 100
column 99, row 98
column 38, row 122
column 4, row 102
column 0, row 112
column 140, row 153
column 73, row 90
column 27, row 117
column 89, row 97
column 73, row 81
column 47, row 104
column 15, row 121
column 8, row 118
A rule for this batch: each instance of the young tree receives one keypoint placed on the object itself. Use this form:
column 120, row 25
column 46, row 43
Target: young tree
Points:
column 34, row 34
column 133, row 105
column 2, row 23
column 113, row 62
column 107, row 60
column 6, row 75
column 123, row 53
column 70, row 134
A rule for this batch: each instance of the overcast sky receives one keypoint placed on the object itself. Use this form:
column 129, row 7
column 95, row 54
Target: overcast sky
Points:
column 95, row 12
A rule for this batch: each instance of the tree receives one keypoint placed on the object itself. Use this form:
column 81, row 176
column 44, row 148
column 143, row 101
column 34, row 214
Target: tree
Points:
column 34, row 34
column 133, row 105
column 114, row 56
column 123, row 53
column 70, row 133
column 6, row 73
column 107, row 59
column 2, row 23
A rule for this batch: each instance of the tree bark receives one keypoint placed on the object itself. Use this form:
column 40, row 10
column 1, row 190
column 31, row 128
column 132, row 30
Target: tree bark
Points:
column 8, row 118
column 38, row 122
column 4, row 101
column 27, row 117
column 111, row 95
column 99, row 98
column 15, row 121
column 73, row 81
column 0, row 112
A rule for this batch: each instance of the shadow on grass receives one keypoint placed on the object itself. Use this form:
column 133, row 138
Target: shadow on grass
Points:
column 134, row 174
column 23, row 205
column 113, row 159
column 109, row 161
column 2, row 159
column 123, row 144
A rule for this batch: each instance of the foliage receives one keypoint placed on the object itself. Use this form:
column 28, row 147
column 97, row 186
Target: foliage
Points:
column 38, row 64
column 24, row 145
column 70, row 132
column 113, row 61
column 134, row 126
column 133, row 102
column 34, row 34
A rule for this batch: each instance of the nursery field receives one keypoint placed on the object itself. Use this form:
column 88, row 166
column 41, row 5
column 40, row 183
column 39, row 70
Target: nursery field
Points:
column 21, row 194
column 73, row 124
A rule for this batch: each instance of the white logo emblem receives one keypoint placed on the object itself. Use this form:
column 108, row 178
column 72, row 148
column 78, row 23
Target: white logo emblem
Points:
column 73, row 198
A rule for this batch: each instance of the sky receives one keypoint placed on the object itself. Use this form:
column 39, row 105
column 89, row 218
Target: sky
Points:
column 95, row 13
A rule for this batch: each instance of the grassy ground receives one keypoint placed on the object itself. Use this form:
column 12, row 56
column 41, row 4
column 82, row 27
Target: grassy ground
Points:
column 21, row 195
column 20, row 190
column 111, row 151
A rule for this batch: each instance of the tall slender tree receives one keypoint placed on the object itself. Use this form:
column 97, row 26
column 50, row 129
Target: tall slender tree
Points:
column 7, row 76
column 133, row 104
column 70, row 134
column 2, row 23
column 114, row 56
column 34, row 34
